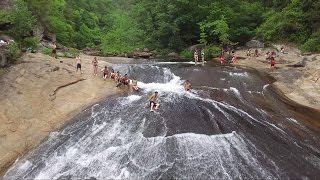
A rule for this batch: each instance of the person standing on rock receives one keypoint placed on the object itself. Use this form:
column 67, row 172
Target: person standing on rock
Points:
column 249, row 53
column 202, row 56
column 196, row 56
column 78, row 61
column 95, row 66
column 256, row 53
column 222, row 59
column 54, row 50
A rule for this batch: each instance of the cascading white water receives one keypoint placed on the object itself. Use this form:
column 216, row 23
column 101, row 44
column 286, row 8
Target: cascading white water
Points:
column 192, row 136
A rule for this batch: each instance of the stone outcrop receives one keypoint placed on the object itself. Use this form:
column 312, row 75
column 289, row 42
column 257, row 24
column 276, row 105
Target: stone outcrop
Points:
column 173, row 56
column 39, row 95
column 145, row 55
column 255, row 44
column 92, row 52
column 296, row 76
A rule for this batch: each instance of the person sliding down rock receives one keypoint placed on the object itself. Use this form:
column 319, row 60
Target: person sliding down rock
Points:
column 187, row 85
column 153, row 101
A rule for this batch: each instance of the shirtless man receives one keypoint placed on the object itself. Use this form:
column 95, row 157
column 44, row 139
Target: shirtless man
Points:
column 125, row 80
column 112, row 74
column 117, row 77
column 187, row 85
column 153, row 101
column 54, row 50
column 78, row 61
column 105, row 72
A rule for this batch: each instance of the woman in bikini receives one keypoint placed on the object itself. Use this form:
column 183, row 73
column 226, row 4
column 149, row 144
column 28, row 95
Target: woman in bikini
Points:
column 196, row 56
column 95, row 66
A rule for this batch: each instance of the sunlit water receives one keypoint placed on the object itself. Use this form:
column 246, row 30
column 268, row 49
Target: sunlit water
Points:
column 231, row 126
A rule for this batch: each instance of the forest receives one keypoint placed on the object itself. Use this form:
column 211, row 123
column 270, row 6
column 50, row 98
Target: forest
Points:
column 117, row 26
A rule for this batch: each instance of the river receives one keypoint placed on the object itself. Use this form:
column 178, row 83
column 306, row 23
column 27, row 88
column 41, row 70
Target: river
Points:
column 233, row 125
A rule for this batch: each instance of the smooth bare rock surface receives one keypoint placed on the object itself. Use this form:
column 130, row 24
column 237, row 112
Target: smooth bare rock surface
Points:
column 300, row 84
column 39, row 96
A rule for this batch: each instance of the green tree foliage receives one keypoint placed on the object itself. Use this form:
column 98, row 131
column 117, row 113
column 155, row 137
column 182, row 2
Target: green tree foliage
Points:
column 298, row 22
column 3, row 17
column 169, row 25
column 124, row 35
column 22, row 20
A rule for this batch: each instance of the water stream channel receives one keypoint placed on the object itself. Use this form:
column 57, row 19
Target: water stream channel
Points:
column 233, row 125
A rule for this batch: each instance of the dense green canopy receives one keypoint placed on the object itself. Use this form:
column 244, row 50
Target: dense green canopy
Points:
column 118, row 26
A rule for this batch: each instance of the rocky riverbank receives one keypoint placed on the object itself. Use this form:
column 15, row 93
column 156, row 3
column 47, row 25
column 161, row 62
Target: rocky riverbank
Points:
column 39, row 95
column 297, row 76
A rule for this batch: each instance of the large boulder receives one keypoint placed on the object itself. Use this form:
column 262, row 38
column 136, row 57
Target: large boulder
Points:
column 145, row 55
column 3, row 57
column 93, row 52
column 173, row 56
column 255, row 44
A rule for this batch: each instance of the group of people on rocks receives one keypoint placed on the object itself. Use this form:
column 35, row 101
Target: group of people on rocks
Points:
column 223, row 54
column 254, row 54
column 118, row 78
column 270, row 56
column 109, row 73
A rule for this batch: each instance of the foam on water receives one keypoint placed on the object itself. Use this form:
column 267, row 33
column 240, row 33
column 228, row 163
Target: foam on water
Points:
column 234, row 74
column 174, row 85
column 130, row 99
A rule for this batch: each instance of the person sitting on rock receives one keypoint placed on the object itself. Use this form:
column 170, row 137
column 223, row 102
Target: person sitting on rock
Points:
column 105, row 72
column 234, row 59
column 112, row 74
column 222, row 59
column 134, row 85
column 125, row 80
column 117, row 77
column 249, row 53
